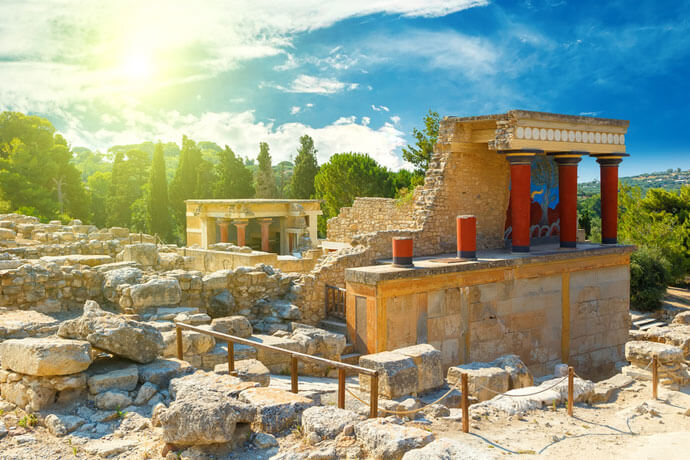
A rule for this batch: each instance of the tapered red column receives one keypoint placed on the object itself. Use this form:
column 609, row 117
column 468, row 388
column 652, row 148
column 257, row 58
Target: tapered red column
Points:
column 241, row 226
column 609, row 197
column 265, row 233
column 520, row 201
column 223, row 225
column 567, row 196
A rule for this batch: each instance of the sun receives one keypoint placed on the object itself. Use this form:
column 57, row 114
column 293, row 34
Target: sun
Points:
column 137, row 66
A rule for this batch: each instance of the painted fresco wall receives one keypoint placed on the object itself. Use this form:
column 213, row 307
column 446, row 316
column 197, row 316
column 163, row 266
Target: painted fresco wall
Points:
column 545, row 210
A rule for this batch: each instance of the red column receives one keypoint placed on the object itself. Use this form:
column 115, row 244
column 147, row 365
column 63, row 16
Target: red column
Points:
column 567, row 197
column 402, row 252
column 467, row 237
column 241, row 226
column 520, row 188
column 265, row 233
column 609, row 198
column 223, row 225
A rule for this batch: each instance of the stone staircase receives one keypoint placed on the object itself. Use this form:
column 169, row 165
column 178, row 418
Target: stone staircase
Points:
column 642, row 322
column 338, row 326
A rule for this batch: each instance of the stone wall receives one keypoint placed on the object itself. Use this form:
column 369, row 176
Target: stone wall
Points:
column 208, row 260
column 368, row 215
column 546, row 312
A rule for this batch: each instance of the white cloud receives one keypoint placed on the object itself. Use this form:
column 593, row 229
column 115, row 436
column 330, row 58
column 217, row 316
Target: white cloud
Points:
column 242, row 132
column 379, row 108
column 366, row 121
column 395, row 119
column 295, row 109
column 317, row 85
column 309, row 104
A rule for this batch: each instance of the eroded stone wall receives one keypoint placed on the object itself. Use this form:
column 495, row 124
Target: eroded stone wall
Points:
column 368, row 215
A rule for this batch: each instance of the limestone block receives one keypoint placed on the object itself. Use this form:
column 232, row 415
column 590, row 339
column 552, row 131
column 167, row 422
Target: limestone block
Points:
column 276, row 409
column 78, row 259
column 327, row 422
column 383, row 439
column 112, row 399
column 221, row 304
column 161, row 371
column 248, row 370
column 114, row 278
column 145, row 254
column 238, row 326
column 61, row 425
column 518, row 373
column 7, row 234
column 120, row 379
column 641, row 353
column 127, row 338
column 217, row 281
column 398, row 375
column 119, row 232
column 44, row 357
column 428, row 362
column 484, row 380
column 155, row 293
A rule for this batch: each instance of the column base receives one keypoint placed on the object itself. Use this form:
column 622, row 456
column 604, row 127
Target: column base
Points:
column 467, row 254
column 520, row 248
column 403, row 262
column 568, row 244
column 609, row 241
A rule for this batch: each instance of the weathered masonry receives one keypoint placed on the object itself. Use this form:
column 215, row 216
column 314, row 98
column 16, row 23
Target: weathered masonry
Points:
column 278, row 226
column 534, row 289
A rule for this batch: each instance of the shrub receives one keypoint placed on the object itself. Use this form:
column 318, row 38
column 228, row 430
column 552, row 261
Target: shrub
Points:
column 650, row 274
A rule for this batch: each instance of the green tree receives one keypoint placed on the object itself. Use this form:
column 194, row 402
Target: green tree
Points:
column 98, row 187
column 129, row 176
column 234, row 179
column 420, row 154
column 349, row 175
column 205, row 180
column 35, row 169
column 649, row 278
column 306, row 168
column 158, row 210
column 265, row 180
column 184, row 183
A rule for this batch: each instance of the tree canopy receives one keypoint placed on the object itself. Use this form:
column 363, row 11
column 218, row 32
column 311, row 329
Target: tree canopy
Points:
column 265, row 179
column 420, row 153
column 234, row 179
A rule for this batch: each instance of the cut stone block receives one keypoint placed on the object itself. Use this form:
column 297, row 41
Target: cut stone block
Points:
column 398, row 374
column 161, row 371
column 248, row 370
column 428, row 362
column 121, row 379
column 386, row 440
column 276, row 409
column 45, row 357
column 484, row 381
column 238, row 326
column 155, row 293
column 276, row 362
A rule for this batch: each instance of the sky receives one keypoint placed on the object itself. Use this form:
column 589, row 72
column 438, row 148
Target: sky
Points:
column 356, row 75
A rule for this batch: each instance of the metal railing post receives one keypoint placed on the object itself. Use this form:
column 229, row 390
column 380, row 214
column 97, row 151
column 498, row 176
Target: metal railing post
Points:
column 655, row 376
column 571, row 376
column 178, row 331
column 293, row 373
column 341, row 388
column 465, row 405
column 231, row 357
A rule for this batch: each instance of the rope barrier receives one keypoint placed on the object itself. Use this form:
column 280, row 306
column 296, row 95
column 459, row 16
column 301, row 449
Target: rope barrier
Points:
column 528, row 394
column 405, row 412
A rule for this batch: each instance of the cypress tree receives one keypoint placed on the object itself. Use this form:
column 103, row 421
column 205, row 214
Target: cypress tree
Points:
column 184, row 183
column 265, row 180
column 117, row 202
column 158, row 211
column 306, row 168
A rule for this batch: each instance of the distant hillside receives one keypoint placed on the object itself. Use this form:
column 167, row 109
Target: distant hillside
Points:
column 671, row 179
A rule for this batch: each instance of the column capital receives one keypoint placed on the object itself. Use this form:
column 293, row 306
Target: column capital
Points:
column 567, row 158
column 610, row 159
column 238, row 222
column 265, row 220
column 520, row 156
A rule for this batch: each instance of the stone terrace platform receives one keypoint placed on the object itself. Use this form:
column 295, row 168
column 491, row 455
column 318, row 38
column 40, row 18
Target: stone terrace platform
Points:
column 548, row 306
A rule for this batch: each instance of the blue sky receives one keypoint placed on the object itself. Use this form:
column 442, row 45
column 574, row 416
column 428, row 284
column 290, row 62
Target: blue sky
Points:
column 355, row 75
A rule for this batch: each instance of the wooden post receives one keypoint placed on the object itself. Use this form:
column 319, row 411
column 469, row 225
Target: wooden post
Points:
column 465, row 405
column 179, row 342
column 655, row 376
column 571, row 375
column 374, row 395
column 231, row 357
column 341, row 388
column 293, row 373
